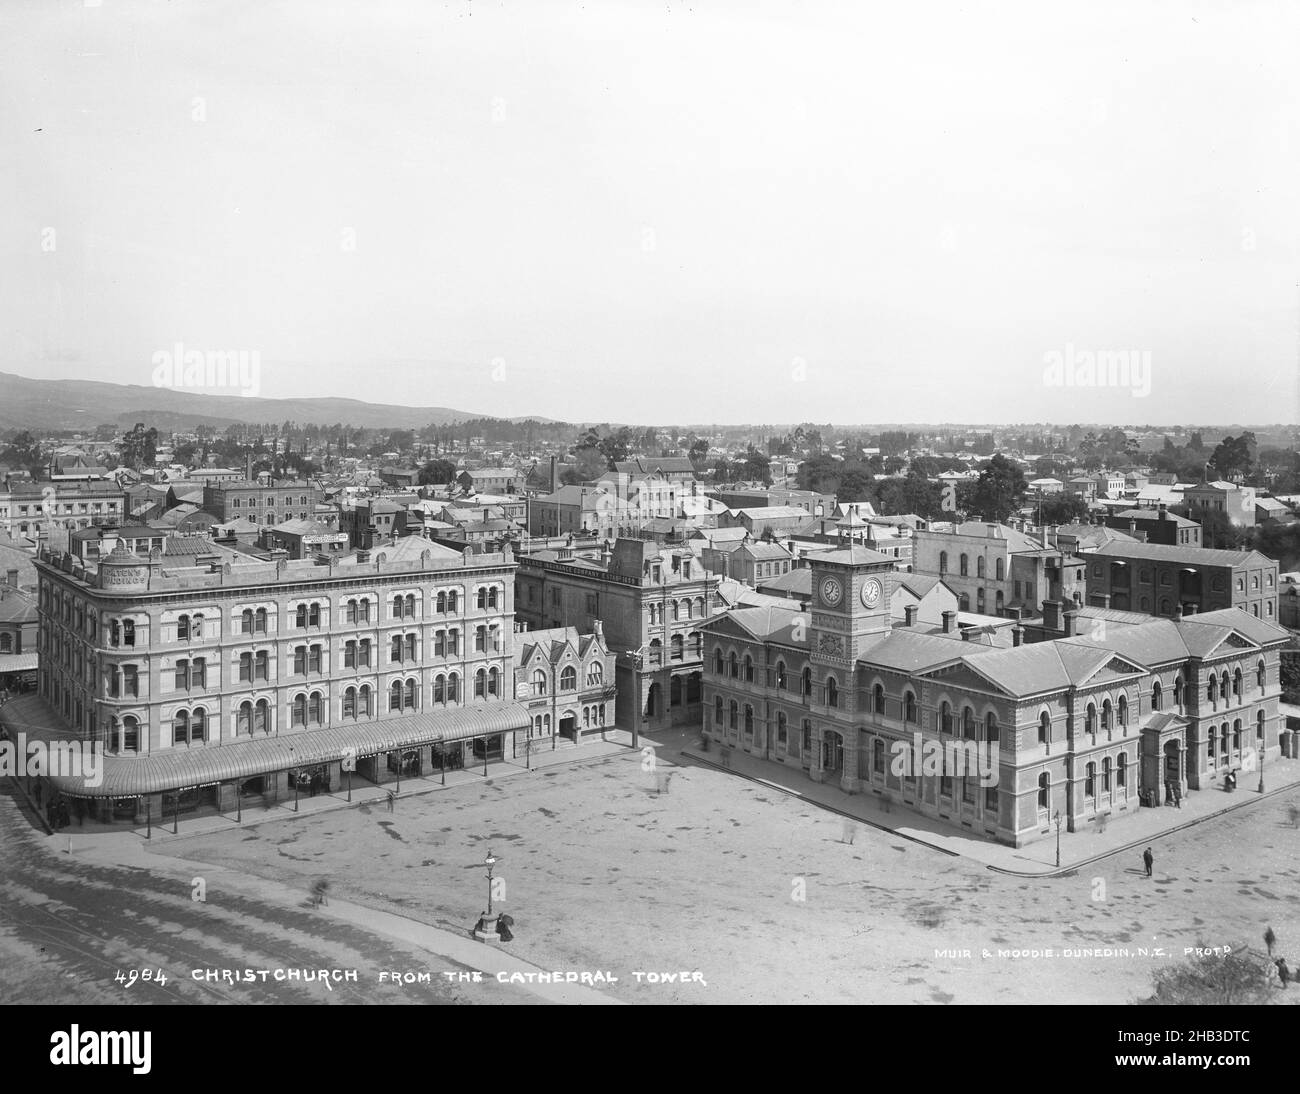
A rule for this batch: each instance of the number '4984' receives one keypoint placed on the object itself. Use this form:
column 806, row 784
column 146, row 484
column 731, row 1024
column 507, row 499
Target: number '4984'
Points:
column 148, row 976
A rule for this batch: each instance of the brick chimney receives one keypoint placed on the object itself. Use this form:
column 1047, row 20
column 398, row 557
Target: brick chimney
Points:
column 949, row 619
column 909, row 615
column 1017, row 634
column 1051, row 615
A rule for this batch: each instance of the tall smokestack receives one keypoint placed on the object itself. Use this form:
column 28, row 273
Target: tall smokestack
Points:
column 555, row 475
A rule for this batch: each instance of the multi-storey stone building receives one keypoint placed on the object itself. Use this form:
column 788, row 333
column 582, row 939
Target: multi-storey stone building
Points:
column 1158, row 579
column 33, row 509
column 651, row 601
column 207, row 685
column 261, row 503
column 997, row 570
column 566, row 682
column 1126, row 715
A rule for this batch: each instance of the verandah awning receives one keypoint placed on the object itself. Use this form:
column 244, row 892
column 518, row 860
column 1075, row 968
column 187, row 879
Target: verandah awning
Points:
column 199, row 765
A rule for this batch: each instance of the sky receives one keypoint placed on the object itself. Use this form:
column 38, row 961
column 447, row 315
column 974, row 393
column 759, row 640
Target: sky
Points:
column 738, row 211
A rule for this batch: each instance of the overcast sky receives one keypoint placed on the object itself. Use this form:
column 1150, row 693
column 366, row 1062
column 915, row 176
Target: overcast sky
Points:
column 737, row 212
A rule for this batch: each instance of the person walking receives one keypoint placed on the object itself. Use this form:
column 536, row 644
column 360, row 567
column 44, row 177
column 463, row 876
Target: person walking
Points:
column 1283, row 973
column 1148, row 860
column 1269, row 939
column 390, row 801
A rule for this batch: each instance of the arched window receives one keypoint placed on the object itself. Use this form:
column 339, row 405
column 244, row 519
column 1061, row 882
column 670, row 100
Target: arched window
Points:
column 1211, row 689
column 262, row 716
column 968, row 723
column 408, row 694
column 480, row 684
column 717, row 712
column 1121, row 770
column 1236, row 684
column 979, row 566
column 1178, row 691
column 735, row 665
column 749, row 720
column 1044, row 728
column 1123, row 708
column 780, row 675
column 945, row 717
column 781, row 733
column 1156, row 700
column 806, row 677
column 676, row 649
column 1090, row 781
column 442, row 601
column 494, row 682
column 244, row 719
column 316, row 709
column 1105, row 715
column 733, row 714
column 350, row 703
column 677, row 611
column 395, row 695
column 943, row 562
column 832, row 692
column 965, row 567
column 539, row 682
column 717, row 661
column 453, row 687
column 1000, row 569
column 452, row 598
column 482, row 597
column 991, row 733
column 1261, row 676
column 1105, row 774
column 1223, row 686
column 878, row 699
column 1090, row 719
column 596, row 673
column 1044, row 790
column 300, row 709
column 569, row 679
column 749, row 668
column 181, row 727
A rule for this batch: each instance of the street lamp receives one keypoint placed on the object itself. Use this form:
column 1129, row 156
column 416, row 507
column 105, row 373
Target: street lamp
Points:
column 294, row 773
column 1263, row 747
column 490, row 862
column 1057, row 818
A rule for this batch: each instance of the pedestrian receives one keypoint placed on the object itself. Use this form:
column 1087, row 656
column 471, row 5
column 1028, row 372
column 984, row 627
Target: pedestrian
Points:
column 64, row 816
column 1148, row 859
column 390, row 801
column 1283, row 973
column 1269, row 939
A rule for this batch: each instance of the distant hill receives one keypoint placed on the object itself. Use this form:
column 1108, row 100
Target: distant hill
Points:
column 26, row 403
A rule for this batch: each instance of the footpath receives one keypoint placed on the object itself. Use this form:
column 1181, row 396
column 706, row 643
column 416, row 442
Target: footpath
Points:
column 1132, row 830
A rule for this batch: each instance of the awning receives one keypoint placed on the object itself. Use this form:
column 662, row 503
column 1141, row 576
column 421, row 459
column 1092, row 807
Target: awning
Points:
column 168, row 769
column 17, row 662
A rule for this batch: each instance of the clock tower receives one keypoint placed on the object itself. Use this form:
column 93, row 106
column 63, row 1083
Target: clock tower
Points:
column 850, row 603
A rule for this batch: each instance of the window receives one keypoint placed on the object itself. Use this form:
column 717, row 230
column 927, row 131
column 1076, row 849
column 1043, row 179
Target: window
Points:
column 943, row 562
column 1155, row 696
column 1044, row 791
column 480, row 684
column 749, row 668
column 1000, row 570
column 1123, row 706
column 909, row 707
column 780, row 676
column 945, row 717
column 595, row 673
column 569, row 679
column 1044, row 728
column 878, row 699
column 539, row 682
column 979, row 566
column 749, row 720
column 991, row 733
column 734, row 664
column 1261, row 676
column 733, row 714
column 717, row 712
column 832, row 692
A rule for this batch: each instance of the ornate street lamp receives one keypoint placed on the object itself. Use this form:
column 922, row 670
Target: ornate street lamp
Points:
column 490, row 862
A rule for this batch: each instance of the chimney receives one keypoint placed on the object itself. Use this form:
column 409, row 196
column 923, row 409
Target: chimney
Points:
column 1017, row 634
column 1164, row 514
column 965, row 635
column 1132, row 526
column 248, row 467
column 599, row 629
column 1051, row 615
column 555, row 474
column 1070, row 620
column 909, row 615
column 1178, row 612
column 1190, row 609
column 949, row 618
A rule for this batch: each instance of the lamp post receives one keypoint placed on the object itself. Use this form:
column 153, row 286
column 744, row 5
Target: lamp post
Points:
column 294, row 773
column 1057, row 818
column 490, row 862
column 1263, row 748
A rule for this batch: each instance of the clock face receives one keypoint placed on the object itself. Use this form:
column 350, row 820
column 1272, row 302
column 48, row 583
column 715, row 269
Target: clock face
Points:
column 832, row 591
column 871, row 593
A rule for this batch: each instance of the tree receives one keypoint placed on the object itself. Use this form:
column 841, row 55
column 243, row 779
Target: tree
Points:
column 1235, row 456
column 756, row 465
column 436, row 473
column 1063, row 509
column 1218, row 979
column 999, row 490
column 140, row 447
column 699, row 453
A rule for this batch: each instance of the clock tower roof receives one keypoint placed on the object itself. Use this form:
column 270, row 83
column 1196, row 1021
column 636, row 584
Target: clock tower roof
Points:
column 852, row 556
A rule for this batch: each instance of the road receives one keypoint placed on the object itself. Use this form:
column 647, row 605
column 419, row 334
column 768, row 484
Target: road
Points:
column 68, row 927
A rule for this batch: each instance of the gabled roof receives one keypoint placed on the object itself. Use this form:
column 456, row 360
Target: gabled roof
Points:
column 786, row 626
column 1045, row 666
column 851, row 556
